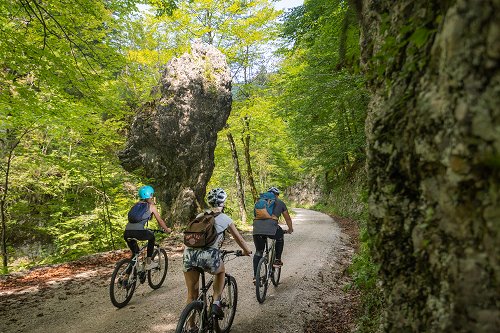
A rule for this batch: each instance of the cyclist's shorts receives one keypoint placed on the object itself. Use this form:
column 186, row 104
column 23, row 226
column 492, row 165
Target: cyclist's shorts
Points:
column 207, row 259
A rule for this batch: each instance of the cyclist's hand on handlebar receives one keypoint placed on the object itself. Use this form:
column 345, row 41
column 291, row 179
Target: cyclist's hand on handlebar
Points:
column 169, row 230
column 247, row 253
column 289, row 231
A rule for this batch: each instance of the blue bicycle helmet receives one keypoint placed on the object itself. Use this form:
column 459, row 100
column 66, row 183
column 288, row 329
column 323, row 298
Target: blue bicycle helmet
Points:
column 146, row 192
column 274, row 190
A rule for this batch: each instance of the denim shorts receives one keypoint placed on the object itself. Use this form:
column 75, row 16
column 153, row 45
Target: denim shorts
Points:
column 207, row 259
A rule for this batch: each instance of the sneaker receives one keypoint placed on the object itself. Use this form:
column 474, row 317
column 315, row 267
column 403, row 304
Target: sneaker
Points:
column 150, row 266
column 278, row 263
column 217, row 311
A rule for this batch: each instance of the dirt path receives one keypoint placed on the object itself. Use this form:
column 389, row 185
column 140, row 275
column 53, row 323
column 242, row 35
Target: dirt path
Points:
column 315, row 258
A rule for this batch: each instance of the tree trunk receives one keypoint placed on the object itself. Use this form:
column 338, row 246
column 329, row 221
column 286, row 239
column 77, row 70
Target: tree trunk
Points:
column 3, row 204
column 433, row 147
column 246, row 145
column 239, row 184
column 106, row 206
column 3, row 201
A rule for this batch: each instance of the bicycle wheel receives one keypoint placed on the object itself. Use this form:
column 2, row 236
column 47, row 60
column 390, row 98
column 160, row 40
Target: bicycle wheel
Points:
column 157, row 275
column 229, row 300
column 121, row 288
column 275, row 271
column 191, row 319
column 261, row 281
column 275, row 275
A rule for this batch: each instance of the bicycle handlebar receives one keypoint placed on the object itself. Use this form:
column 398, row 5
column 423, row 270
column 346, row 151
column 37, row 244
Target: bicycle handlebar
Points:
column 157, row 231
column 237, row 253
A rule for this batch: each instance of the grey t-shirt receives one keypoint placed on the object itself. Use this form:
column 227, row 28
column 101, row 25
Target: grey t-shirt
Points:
column 269, row 226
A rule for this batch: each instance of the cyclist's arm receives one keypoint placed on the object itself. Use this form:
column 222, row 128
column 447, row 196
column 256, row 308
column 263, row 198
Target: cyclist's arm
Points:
column 159, row 219
column 239, row 240
column 288, row 221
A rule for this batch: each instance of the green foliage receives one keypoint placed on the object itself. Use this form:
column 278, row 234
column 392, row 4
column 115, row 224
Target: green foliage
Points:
column 348, row 198
column 273, row 154
column 365, row 278
column 61, row 115
column 322, row 95
column 240, row 29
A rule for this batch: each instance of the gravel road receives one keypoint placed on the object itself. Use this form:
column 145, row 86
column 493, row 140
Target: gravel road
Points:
column 314, row 254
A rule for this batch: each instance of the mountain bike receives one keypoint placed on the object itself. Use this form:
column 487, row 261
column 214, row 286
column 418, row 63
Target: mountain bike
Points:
column 266, row 271
column 130, row 270
column 197, row 316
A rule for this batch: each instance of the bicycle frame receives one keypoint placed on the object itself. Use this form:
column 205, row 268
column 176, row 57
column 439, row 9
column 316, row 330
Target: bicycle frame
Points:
column 270, row 256
column 266, row 271
column 129, row 271
column 207, row 321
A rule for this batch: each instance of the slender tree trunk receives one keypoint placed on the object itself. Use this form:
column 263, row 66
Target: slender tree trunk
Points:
column 246, row 145
column 343, row 38
column 106, row 207
column 3, row 200
column 3, row 204
column 239, row 184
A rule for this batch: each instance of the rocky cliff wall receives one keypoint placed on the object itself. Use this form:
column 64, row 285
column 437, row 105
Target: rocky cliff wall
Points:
column 433, row 132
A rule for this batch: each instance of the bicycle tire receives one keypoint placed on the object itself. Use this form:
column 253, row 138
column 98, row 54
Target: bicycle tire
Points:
column 119, row 293
column 229, row 301
column 261, row 281
column 157, row 275
column 193, row 311
column 275, row 276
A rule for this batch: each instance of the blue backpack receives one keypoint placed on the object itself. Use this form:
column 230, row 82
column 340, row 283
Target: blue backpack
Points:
column 264, row 207
column 139, row 212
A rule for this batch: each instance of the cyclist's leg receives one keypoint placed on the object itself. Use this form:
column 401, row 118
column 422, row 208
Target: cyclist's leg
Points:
column 260, row 244
column 150, row 236
column 192, row 278
column 219, row 276
column 132, row 244
column 280, row 242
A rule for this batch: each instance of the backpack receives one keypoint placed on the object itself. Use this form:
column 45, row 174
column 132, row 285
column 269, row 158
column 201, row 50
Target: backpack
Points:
column 201, row 231
column 138, row 212
column 264, row 207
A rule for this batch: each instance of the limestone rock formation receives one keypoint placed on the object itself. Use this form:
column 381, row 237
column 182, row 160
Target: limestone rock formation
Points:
column 172, row 139
column 433, row 132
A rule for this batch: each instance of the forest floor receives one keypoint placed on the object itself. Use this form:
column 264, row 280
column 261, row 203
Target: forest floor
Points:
column 313, row 295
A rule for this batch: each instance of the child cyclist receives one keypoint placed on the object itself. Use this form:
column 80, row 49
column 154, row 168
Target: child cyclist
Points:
column 136, row 227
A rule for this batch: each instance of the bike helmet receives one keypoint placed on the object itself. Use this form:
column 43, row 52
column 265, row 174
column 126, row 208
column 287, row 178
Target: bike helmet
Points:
column 146, row 192
column 216, row 197
column 274, row 190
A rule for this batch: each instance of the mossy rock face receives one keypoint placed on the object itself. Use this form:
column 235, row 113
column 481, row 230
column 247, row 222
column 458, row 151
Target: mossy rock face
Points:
column 172, row 139
column 433, row 132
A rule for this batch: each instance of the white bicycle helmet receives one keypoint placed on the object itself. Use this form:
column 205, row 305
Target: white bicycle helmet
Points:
column 216, row 197
column 274, row 190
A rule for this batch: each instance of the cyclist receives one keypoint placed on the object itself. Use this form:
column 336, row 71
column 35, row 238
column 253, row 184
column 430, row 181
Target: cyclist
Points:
column 208, row 258
column 146, row 206
column 270, row 228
